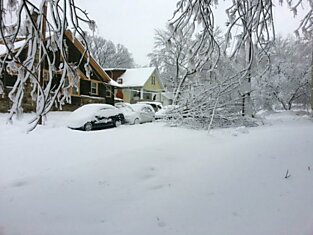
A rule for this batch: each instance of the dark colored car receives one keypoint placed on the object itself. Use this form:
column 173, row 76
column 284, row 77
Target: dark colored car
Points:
column 95, row 117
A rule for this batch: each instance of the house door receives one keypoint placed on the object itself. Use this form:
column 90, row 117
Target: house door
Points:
column 119, row 94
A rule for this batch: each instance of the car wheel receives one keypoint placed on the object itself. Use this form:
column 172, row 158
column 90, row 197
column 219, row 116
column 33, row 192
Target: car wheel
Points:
column 88, row 126
column 137, row 121
column 117, row 123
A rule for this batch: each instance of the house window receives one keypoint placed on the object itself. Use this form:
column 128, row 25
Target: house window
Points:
column 94, row 88
column 136, row 94
column 120, row 80
column 153, row 80
column 108, row 92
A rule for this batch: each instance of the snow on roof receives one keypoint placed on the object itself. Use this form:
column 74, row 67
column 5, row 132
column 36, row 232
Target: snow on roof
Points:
column 136, row 77
column 17, row 45
column 114, row 83
column 21, row 41
column 110, row 69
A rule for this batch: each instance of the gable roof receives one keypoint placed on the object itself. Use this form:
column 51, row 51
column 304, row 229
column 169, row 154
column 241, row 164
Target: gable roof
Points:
column 92, row 61
column 137, row 77
column 16, row 46
column 80, row 47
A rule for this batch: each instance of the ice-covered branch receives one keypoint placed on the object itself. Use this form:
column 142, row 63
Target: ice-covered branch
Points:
column 34, row 38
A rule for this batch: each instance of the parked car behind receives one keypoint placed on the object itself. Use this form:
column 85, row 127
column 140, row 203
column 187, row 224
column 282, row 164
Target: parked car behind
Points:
column 131, row 116
column 167, row 112
column 95, row 116
column 155, row 105
column 145, row 111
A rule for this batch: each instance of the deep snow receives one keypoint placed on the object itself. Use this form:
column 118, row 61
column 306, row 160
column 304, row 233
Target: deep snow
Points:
column 153, row 179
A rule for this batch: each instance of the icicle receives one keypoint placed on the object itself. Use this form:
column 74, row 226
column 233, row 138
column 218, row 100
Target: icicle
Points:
column 1, row 88
column 171, row 28
column 12, row 68
column 294, row 11
column 192, row 28
column 297, row 33
column 12, row 5
column 88, row 70
column 168, row 43
column 61, row 66
column 53, row 44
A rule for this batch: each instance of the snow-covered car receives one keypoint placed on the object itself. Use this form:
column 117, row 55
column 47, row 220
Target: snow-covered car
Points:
column 131, row 116
column 155, row 105
column 167, row 112
column 95, row 116
column 145, row 111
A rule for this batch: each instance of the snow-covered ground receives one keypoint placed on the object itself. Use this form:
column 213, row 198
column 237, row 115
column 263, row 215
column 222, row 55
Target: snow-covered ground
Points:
column 153, row 179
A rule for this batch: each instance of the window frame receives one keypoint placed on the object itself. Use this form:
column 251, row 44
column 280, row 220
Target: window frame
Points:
column 108, row 93
column 94, row 88
column 153, row 80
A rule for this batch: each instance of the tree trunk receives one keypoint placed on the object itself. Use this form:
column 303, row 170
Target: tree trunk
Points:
column 312, row 78
column 289, row 105
column 246, row 109
column 41, row 67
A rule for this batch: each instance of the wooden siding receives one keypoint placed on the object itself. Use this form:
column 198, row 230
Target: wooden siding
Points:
column 81, row 49
column 116, row 73
column 156, row 86
column 75, row 50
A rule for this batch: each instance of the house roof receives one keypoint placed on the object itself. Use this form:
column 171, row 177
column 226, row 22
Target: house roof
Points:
column 17, row 45
column 105, row 77
column 136, row 77
column 92, row 61
column 115, row 69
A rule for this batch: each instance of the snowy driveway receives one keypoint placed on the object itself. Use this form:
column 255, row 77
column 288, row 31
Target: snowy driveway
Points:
column 153, row 179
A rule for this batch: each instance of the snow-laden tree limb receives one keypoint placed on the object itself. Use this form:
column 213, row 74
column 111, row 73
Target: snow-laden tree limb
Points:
column 43, row 30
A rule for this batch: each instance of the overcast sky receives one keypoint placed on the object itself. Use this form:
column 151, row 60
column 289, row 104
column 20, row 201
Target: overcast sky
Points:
column 132, row 22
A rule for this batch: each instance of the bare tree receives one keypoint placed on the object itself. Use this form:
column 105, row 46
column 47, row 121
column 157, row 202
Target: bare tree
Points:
column 253, row 18
column 173, row 59
column 186, row 19
column 249, row 37
column 45, row 27
column 288, row 80
column 108, row 54
column 305, row 28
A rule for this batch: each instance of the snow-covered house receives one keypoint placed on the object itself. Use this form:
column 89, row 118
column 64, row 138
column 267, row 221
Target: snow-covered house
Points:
column 139, row 84
column 96, row 89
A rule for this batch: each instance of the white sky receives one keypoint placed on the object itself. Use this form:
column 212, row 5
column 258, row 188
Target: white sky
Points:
column 133, row 22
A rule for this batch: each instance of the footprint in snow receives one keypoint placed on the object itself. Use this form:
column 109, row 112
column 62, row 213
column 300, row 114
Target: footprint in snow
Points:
column 160, row 223
column 150, row 173
column 19, row 183
column 156, row 187
column 147, row 176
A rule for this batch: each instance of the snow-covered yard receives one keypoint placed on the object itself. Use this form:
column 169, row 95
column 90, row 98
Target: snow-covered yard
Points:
column 154, row 179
